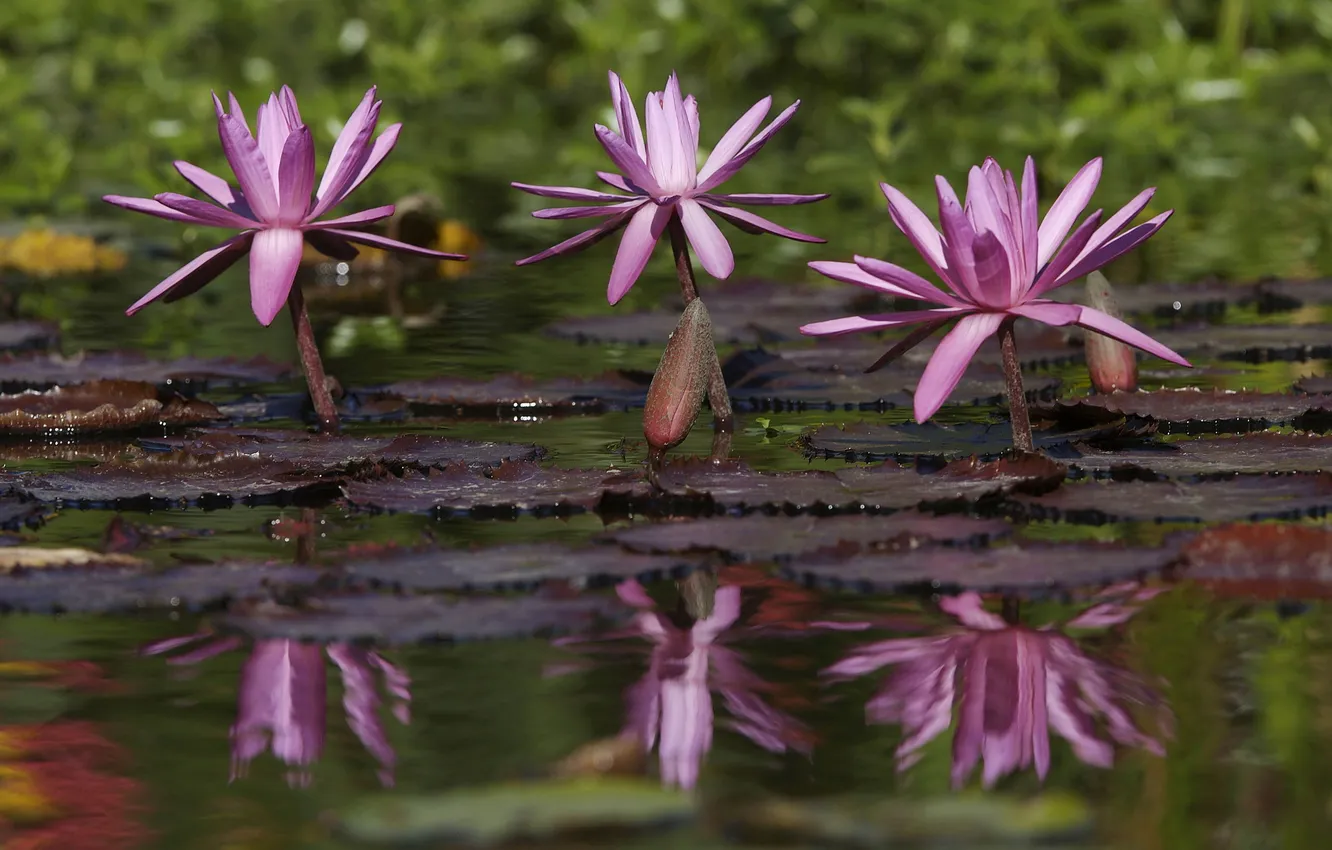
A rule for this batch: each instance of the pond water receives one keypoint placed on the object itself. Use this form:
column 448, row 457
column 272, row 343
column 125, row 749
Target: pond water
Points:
column 1161, row 653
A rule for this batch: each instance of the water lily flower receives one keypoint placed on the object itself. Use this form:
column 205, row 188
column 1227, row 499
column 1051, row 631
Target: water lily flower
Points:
column 998, row 263
column 665, row 188
column 276, row 205
column 282, row 697
column 1016, row 683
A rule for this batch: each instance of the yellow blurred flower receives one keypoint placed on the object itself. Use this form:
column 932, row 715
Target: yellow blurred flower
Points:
column 46, row 253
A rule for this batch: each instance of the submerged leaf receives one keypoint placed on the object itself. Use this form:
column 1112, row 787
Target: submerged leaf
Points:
column 1210, row 457
column 47, row 370
column 100, row 406
column 492, row 815
column 1195, row 409
column 909, row 441
column 326, row 452
column 510, row 489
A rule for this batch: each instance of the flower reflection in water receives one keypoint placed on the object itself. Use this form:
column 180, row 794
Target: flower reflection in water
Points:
column 282, row 699
column 671, row 706
column 1016, row 683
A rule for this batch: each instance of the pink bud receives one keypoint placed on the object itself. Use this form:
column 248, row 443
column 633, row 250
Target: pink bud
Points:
column 1111, row 363
column 681, row 381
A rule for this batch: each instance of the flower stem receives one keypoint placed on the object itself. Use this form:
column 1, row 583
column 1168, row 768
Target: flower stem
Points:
column 684, row 269
column 1017, row 398
column 311, row 362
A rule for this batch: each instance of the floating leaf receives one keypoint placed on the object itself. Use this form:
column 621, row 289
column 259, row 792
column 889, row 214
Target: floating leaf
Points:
column 100, row 406
column 1251, row 343
column 1321, row 385
column 511, row 489
column 761, row 537
column 1206, row 299
column 611, row 391
column 866, row 441
column 339, row 452
column 1266, row 561
column 1034, row 567
column 1195, row 409
column 508, row 567
column 413, row 619
column 538, row 811
column 1210, row 457
column 17, row 512
column 48, row 370
column 25, row 334
column 121, row 584
column 1244, row 497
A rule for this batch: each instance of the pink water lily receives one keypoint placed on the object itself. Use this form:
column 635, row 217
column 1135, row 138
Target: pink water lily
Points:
column 276, row 206
column 1016, row 684
column 659, row 172
column 999, row 263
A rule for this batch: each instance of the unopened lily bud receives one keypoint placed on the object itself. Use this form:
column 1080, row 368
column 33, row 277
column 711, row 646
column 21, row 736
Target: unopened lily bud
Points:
column 681, row 381
column 1110, row 362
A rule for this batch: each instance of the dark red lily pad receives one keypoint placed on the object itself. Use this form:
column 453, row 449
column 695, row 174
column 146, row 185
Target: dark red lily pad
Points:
column 48, row 370
column 101, row 406
column 1012, row 569
column 23, row 335
column 1193, row 410
column 763, row 538
column 416, row 619
column 1262, row 561
column 695, row 487
column 517, row 567
column 1251, row 343
column 1320, row 385
column 912, row 441
column 611, row 391
column 116, row 588
column 328, row 452
column 1243, row 497
column 1210, row 457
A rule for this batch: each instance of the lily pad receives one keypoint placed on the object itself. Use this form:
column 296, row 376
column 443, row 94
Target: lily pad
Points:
column 100, row 406
column 1251, row 343
column 537, row 811
column 415, row 619
column 340, row 452
column 510, row 489
column 48, row 370
column 513, row 567
column 764, row 538
column 611, row 391
column 1034, row 567
column 1243, row 497
column 1193, row 410
column 1266, row 561
column 23, row 335
column 910, row 441
column 18, row 512
column 1321, row 385
column 117, row 583
column 1210, row 457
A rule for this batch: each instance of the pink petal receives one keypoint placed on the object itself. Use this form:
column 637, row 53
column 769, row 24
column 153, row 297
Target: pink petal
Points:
column 707, row 240
column 987, row 215
column 614, row 180
column 918, row 228
column 994, row 270
column 1117, row 221
column 855, row 324
column 560, row 213
column 970, row 734
column 1052, row 275
column 345, row 159
column 640, row 237
column 380, row 149
column 570, row 193
column 197, row 272
column 725, row 611
column 853, row 274
column 586, row 239
column 390, row 244
column 734, row 139
column 950, row 360
column 213, row 186
column 355, row 219
column 626, row 118
column 296, row 176
column 1049, row 312
column 664, row 159
column 957, row 246
column 272, row 130
column 1066, row 208
column 256, row 181
column 725, row 171
column 691, row 122
column 988, row 212
column 274, row 258
column 748, row 220
column 628, row 161
column 764, row 200
column 911, row 283
column 969, row 609
column 1112, row 250
column 287, row 100
column 1030, row 225
column 204, row 212
column 151, row 207
column 684, row 159
column 1100, row 322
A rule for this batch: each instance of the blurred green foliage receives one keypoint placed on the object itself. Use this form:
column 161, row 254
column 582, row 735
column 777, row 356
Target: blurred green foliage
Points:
column 1223, row 104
